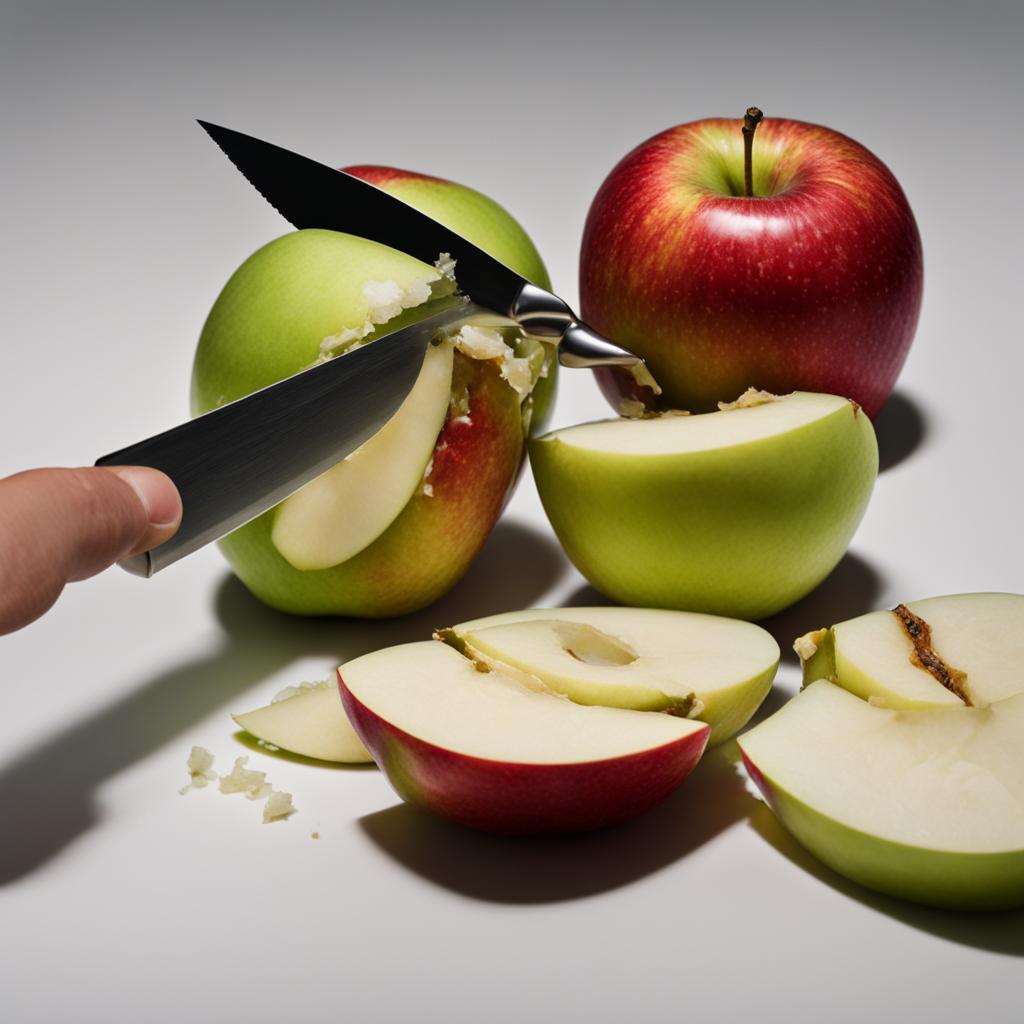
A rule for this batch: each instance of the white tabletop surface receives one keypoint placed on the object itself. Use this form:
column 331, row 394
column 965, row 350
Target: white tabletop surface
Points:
column 122, row 901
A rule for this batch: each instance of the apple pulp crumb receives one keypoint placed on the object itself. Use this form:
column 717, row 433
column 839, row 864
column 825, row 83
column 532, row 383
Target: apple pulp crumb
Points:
column 200, row 769
column 278, row 807
column 294, row 691
column 749, row 398
column 244, row 780
column 806, row 646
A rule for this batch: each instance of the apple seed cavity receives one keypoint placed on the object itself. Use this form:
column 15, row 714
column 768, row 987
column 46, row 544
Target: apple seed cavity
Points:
column 925, row 657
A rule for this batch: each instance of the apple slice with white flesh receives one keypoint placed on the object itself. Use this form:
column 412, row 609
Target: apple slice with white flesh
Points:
column 485, row 750
column 715, row 669
column 926, row 805
column 739, row 512
column 309, row 721
column 342, row 511
column 940, row 652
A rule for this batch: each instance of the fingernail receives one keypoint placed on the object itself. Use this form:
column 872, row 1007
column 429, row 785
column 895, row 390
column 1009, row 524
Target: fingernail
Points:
column 157, row 493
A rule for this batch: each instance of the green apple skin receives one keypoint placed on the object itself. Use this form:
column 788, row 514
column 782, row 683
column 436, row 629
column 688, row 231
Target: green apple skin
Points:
column 429, row 547
column 955, row 881
column 742, row 531
column 486, row 224
column 266, row 325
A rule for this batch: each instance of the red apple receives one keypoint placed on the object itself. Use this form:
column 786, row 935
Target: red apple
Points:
column 811, row 283
column 495, row 753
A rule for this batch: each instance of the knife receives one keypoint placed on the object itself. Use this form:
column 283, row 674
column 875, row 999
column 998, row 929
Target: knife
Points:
column 236, row 462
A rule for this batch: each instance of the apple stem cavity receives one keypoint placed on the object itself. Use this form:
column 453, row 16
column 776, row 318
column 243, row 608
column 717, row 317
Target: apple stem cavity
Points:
column 751, row 119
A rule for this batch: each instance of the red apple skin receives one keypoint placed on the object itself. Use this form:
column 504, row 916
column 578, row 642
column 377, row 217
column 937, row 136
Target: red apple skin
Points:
column 521, row 799
column 814, row 284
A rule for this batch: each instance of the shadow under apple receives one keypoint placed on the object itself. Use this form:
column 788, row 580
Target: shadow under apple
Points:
column 47, row 793
column 901, row 428
column 552, row 869
column 1000, row 932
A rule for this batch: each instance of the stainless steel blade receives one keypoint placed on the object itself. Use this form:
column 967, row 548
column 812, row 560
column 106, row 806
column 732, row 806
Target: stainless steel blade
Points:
column 313, row 195
column 240, row 460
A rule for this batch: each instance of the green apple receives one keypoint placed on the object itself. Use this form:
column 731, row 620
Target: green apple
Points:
column 714, row 669
column 496, row 753
column 396, row 524
column 739, row 512
column 939, row 652
column 920, row 804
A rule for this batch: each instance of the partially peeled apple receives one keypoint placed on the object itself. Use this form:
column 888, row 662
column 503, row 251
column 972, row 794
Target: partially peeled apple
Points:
column 739, row 512
column 901, row 763
column 396, row 524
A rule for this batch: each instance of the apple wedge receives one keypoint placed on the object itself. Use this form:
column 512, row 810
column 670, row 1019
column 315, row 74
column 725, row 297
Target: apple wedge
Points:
column 939, row 652
column 487, row 751
column 715, row 669
column 739, row 512
column 311, row 722
column 924, row 805
column 343, row 511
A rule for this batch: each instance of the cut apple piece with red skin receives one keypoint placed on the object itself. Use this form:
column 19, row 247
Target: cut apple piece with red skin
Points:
column 488, row 752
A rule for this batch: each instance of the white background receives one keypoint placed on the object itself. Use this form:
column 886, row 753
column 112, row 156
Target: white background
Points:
column 120, row 900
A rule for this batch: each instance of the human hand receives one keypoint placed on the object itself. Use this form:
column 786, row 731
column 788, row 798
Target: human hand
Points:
column 62, row 525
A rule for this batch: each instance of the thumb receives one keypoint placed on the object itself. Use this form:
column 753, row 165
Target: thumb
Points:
column 59, row 525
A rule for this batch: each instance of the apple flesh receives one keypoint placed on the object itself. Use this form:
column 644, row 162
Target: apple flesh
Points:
column 979, row 637
column 713, row 669
column 489, row 752
column 310, row 722
column 330, row 519
column 739, row 512
column 923, row 805
column 814, row 283
column 348, row 545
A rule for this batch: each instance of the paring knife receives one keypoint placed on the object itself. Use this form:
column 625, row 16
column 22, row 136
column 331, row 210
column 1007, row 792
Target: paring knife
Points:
column 236, row 462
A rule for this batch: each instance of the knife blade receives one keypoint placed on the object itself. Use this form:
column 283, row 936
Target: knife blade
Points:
column 312, row 195
column 236, row 462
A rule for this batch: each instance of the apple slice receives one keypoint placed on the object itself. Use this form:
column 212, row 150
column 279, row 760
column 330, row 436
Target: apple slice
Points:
column 715, row 669
column 924, row 805
column 310, row 722
column 345, row 509
column 487, row 751
column 969, row 650
column 739, row 512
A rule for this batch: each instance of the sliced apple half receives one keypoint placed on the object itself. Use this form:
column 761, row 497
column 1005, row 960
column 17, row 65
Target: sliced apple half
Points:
column 923, row 805
column 310, row 722
column 939, row 652
column 714, row 669
column 344, row 510
column 738, row 512
column 487, row 751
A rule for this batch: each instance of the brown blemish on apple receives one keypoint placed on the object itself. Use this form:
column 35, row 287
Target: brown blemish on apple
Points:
column 925, row 657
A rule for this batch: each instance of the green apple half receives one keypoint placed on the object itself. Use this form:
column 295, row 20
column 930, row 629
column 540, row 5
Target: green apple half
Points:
column 715, row 669
column 392, row 527
column 739, row 512
column 492, row 752
column 978, row 638
column 923, row 805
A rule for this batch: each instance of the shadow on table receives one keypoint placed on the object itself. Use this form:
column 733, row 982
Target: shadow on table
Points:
column 901, row 428
column 552, row 869
column 997, row 932
column 47, row 792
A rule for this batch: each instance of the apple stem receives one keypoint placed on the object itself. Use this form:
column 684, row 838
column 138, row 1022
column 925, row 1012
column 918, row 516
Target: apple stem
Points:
column 751, row 119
